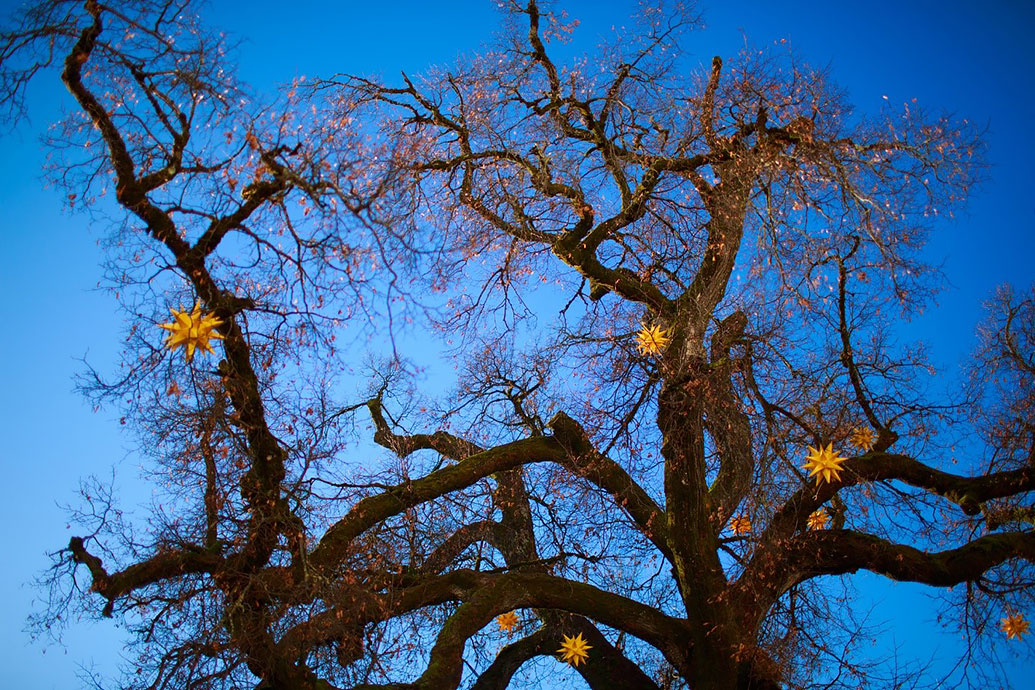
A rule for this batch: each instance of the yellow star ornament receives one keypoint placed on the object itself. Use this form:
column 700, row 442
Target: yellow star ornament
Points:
column 191, row 330
column 1014, row 626
column 651, row 340
column 824, row 464
column 574, row 650
column 740, row 525
column 819, row 520
column 507, row 621
column 863, row 438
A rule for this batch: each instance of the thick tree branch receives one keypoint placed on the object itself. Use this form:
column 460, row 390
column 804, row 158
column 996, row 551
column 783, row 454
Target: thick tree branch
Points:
column 609, row 669
column 708, row 105
column 610, row 476
column 162, row 566
column 727, row 423
column 838, row 552
column 374, row 509
column 509, row 659
column 967, row 492
column 570, row 447
column 498, row 594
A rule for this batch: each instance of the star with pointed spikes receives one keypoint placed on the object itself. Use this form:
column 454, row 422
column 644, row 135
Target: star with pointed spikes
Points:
column 1015, row 626
column 574, row 650
column 819, row 519
column 824, row 464
column 507, row 621
column 863, row 438
column 192, row 331
column 740, row 525
column 651, row 340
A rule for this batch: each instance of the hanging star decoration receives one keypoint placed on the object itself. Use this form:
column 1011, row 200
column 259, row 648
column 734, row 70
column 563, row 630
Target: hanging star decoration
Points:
column 507, row 621
column 740, row 524
column 1015, row 626
column 651, row 340
column 824, row 464
column 819, row 519
column 574, row 650
column 863, row 438
column 191, row 330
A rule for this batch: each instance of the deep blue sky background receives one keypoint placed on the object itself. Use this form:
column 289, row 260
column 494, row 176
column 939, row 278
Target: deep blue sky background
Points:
column 970, row 58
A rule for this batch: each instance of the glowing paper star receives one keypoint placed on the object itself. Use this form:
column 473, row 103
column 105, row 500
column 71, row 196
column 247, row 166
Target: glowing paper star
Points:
column 819, row 519
column 191, row 330
column 651, row 340
column 740, row 525
column 863, row 437
column 1014, row 626
column 824, row 463
column 507, row 621
column 574, row 650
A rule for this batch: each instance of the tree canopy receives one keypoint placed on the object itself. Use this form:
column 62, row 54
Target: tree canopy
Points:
column 682, row 418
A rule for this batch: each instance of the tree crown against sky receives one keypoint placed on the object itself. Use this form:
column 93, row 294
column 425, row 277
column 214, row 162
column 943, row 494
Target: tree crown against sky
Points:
column 666, row 288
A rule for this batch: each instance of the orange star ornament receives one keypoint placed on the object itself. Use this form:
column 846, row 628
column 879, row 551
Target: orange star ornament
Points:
column 191, row 330
column 652, row 340
column 824, row 464
column 574, row 650
column 1015, row 626
column 819, row 520
column 740, row 525
column 507, row 621
column 863, row 438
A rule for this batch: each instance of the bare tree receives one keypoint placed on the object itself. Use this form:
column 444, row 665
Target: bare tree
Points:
column 681, row 415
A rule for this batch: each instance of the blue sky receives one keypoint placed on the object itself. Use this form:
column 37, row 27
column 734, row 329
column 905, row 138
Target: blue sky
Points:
column 973, row 59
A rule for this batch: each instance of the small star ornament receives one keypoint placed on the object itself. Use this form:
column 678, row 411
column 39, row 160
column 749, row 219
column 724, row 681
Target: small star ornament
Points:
column 574, row 650
column 740, row 525
column 824, row 464
column 863, row 438
column 819, row 519
column 191, row 330
column 1015, row 626
column 652, row 340
column 507, row 621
